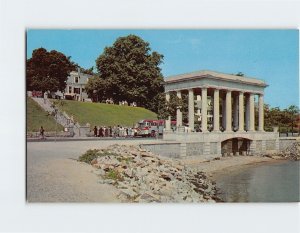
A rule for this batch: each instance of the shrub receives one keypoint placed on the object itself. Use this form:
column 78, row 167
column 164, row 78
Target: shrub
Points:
column 114, row 175
column 89, row 155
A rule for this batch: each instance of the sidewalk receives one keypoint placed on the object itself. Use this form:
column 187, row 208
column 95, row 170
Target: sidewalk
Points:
column 62, row 139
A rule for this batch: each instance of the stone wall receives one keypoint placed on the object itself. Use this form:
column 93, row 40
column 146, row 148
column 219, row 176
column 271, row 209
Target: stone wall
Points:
column 210, row 150
column 285, row 142
column 171, row 150
column 194, row 148
column 184, row 150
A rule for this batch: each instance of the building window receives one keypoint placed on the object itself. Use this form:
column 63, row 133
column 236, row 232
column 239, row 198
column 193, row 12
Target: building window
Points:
column 70, row 89
column 76, row 79
column 76, row 90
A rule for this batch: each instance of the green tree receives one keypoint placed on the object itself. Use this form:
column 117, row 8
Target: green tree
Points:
column 240, row 74
column 96, row 89
column 88, row 71
column 48, row 71
column 292, row 113
column 169, row 108
column 131, row 72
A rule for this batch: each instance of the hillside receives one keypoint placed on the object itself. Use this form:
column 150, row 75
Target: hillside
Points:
column 37, row 117
column 98, row 114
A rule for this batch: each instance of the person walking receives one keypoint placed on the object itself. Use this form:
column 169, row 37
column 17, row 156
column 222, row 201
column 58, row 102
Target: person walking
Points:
column 42, row 131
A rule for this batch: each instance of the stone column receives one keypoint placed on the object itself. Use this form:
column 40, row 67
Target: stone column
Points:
column 247, row 112
column 168, row 122
column 223, row 113
column 216, row 111
column 241, row 111
column 252, row 116
column 191, row 109
column 228, row 112
column 261, row 112
column 204, row 110
column 178, row 112
column 236, row 112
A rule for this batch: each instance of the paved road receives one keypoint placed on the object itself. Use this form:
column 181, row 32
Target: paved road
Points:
column 54, row 175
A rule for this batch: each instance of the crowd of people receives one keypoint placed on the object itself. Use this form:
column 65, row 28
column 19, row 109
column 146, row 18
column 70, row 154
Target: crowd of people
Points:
column 115, row 131
column 121, row 103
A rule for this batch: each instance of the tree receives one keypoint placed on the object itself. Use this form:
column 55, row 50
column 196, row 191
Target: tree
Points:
column 48, row 71
column 89, row 71
column 169, row 108
column 292, row 115
column 131, row 72
column 96, row 88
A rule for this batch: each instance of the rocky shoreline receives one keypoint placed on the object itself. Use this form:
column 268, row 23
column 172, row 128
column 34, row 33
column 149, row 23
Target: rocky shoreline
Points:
column 292, row 152
column 141, row 176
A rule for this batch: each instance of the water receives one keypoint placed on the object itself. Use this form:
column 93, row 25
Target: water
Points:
column 275, row 182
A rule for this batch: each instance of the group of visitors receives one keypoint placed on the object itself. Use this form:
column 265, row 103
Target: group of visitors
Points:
column 121, row 103
column 109, row 101
column 115, row 131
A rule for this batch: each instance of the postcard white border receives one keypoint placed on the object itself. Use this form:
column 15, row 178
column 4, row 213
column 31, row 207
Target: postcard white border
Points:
column 17, row 215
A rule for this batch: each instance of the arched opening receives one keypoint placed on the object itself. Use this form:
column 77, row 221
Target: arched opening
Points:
column 235, row 146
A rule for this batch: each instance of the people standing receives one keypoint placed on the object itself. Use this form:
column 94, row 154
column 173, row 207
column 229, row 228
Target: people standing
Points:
column 98, row 131
column 109, row 131
column 95, row 131
column 106, row 132
column 101, row 131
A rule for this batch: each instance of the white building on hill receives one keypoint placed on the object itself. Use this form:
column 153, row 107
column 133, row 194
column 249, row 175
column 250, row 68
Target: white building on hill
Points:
column 75, row 89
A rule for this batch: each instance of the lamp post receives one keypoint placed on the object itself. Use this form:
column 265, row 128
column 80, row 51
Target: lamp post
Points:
column 55, row 115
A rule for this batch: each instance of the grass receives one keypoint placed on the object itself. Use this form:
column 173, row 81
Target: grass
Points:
column 114, row 175
column 99, row 114
column 37, row 117
column 91, row 154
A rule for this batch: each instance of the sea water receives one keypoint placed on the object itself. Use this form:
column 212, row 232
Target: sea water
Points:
column 271, row 182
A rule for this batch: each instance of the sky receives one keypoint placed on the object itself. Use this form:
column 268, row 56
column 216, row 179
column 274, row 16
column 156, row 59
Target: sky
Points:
column 270, row 55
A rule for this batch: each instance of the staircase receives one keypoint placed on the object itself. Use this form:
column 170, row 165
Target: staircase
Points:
column 61, row 118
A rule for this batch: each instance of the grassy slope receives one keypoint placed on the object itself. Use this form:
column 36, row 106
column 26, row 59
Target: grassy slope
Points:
column 105, row 114
column 37, row 117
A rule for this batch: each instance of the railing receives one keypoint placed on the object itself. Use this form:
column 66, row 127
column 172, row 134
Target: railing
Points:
column 289, row 134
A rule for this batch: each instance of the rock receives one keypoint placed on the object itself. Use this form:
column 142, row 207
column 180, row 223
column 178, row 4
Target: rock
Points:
column 109, row 181
column 142, row 176
column 94, row 161
column 167, row 176
column 128, row 172
column 147, row 197
column 99, row 172
column 292, row 151
column 129, row 193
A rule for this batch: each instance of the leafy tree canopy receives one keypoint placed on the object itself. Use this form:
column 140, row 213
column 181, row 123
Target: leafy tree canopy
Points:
column 48, row 70
column 87, row 71
column 130, row 72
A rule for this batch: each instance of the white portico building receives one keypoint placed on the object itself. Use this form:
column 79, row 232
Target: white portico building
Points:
column 230, row 111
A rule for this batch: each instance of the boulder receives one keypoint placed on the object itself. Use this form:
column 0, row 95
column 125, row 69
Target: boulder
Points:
column 146, row 177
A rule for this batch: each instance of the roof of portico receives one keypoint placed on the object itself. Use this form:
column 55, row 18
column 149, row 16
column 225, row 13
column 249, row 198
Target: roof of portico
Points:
column 214, row 75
